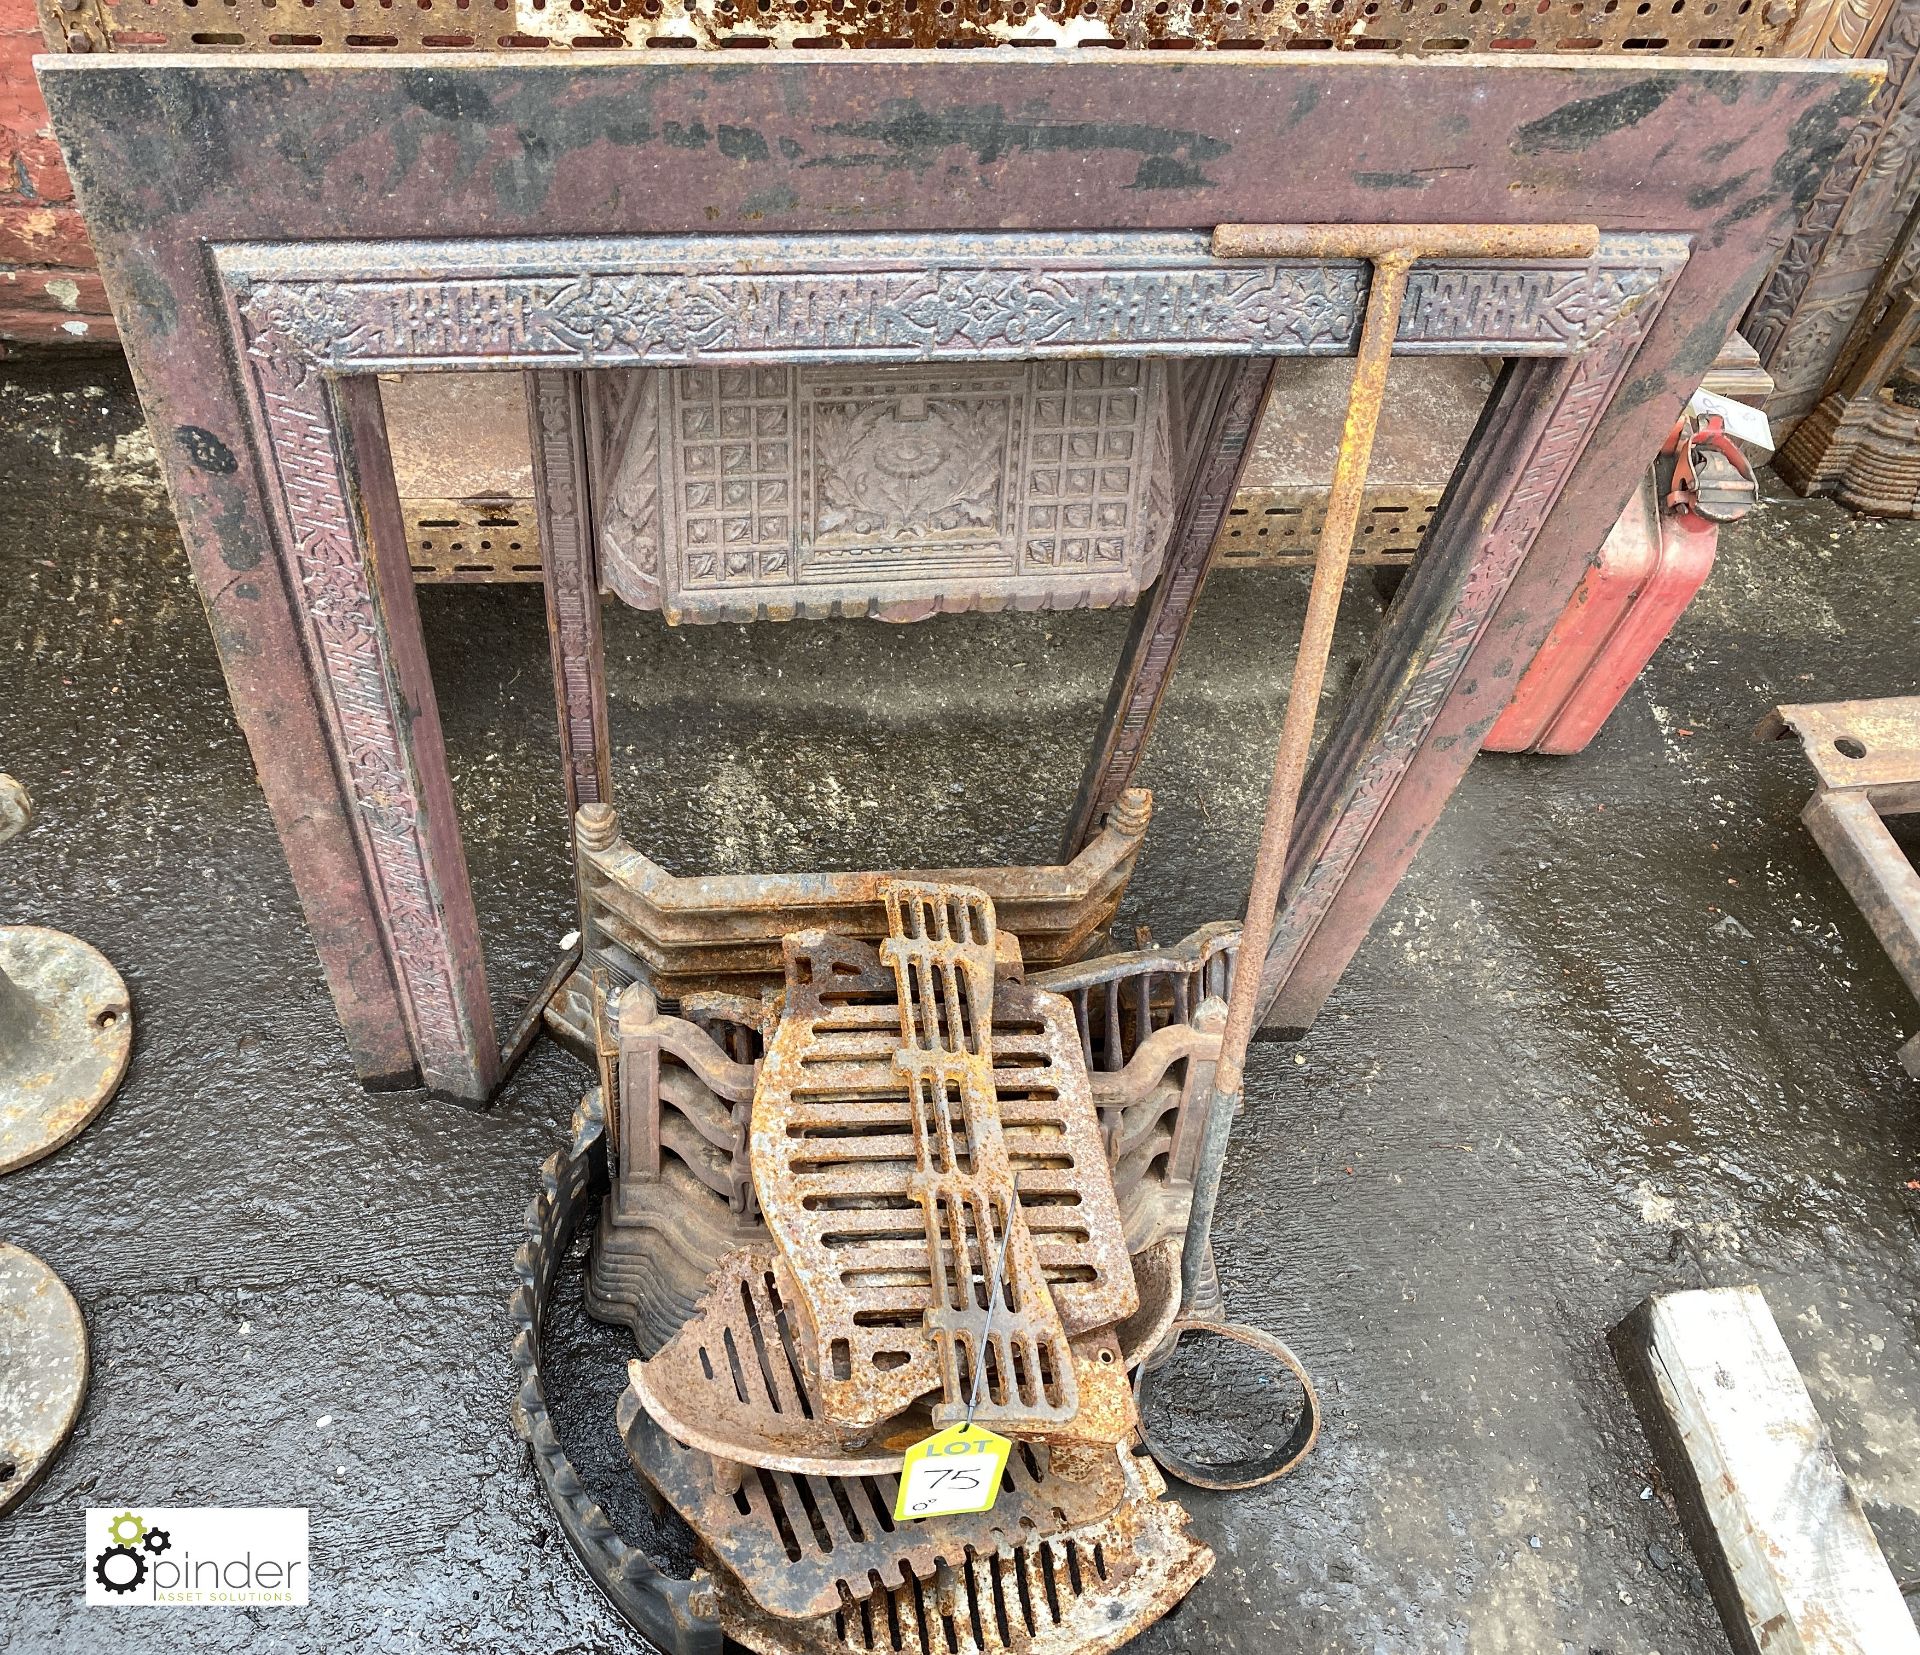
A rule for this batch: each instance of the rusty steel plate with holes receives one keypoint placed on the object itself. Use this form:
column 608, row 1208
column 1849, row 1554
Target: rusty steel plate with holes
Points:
column 1866, row 743
column 472, row 539
column 1726, row 28
column 897, row 492
column 464, row 473
column 1278, row 528
column 723, row 932
column 1279, row 509
column 802, row 1546
column 1083, row 1591
column 835, row 1153
column 43, row 1370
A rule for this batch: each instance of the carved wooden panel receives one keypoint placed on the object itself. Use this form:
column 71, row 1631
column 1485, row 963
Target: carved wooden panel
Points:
column 774, row 491
column 1803, row 316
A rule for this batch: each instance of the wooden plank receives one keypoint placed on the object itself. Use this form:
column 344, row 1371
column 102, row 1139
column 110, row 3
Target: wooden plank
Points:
column 1777, row 1529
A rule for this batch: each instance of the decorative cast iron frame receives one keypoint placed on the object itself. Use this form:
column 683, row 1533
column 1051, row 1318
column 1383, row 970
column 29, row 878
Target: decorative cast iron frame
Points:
column 256, row 357
column 309, row 322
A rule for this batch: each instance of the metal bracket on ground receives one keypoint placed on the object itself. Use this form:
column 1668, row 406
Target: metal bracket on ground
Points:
column 1866, row 755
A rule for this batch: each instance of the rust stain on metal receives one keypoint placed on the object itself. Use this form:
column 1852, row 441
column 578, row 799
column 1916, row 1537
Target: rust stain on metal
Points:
column 1873, row 744
column 1384, row 296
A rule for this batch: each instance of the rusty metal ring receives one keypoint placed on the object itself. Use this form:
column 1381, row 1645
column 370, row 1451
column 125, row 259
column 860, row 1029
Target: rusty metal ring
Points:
column 663, row 1608
column 1256, row 1469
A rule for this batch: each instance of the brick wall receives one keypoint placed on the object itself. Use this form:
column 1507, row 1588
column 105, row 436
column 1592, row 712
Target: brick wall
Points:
column 49, row 292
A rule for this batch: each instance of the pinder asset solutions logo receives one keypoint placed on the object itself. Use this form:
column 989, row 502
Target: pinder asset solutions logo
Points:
column 195, row 1555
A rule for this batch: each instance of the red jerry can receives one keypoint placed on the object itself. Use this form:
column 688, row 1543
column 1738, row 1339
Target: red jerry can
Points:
column 1648, row 571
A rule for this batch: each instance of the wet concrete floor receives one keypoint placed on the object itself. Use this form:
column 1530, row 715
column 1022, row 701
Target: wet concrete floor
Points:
column 1621, row 1030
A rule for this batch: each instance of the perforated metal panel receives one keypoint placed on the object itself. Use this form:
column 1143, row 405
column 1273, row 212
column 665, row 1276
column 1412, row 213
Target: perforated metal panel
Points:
column 1734, row 28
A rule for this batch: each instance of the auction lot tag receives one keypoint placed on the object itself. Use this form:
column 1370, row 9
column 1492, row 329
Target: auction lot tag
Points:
column 954, row 1471
column 1737, row 419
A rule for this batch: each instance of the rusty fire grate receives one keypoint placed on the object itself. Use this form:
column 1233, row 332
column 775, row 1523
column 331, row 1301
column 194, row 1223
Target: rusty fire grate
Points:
column 933, row 1166
column 1078, row 1591
column 725, row 933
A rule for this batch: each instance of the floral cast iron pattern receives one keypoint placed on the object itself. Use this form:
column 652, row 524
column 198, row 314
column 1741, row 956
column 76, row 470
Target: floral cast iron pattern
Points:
column 776, row 490
column 980, row 296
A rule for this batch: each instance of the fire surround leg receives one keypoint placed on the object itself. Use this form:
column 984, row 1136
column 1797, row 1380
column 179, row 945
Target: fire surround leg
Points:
column 1164, row 611
column 557, row 422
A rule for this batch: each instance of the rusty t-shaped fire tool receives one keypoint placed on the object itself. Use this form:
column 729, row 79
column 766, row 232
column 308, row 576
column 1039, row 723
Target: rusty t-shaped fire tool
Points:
column 1392, row 250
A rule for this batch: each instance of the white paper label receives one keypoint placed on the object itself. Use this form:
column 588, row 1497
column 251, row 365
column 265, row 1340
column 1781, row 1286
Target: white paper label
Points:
column 1743, row 423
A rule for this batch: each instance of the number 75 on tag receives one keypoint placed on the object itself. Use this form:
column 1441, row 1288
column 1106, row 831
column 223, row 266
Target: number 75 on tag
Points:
column 955, row 1471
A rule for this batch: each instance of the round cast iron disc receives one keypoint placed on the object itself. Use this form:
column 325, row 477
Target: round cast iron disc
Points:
column 66, row 1068
column 43, row 1370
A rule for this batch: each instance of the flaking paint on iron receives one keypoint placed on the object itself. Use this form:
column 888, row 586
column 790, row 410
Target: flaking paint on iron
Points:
column 1586, row 121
